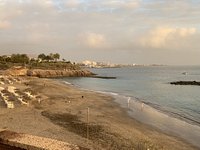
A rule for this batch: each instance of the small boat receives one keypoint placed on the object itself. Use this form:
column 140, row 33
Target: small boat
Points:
column 184, row 73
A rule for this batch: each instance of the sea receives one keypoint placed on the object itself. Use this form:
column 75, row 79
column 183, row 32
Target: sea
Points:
column 147, row 95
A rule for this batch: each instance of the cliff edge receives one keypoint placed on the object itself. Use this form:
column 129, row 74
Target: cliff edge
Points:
column 58, row 73
column 17, row 71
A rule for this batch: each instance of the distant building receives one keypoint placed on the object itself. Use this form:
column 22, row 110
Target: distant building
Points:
column 89, row 63
column 93, row 64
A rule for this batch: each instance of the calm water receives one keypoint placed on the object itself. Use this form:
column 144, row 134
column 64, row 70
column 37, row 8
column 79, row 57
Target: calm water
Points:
column 150, row 85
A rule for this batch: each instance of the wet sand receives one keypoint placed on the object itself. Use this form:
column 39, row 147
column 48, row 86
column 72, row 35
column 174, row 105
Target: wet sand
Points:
column 62, row 114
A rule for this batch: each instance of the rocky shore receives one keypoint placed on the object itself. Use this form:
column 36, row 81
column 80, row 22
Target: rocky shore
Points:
column 58, row 73
column 47, row 73
column 41, row 73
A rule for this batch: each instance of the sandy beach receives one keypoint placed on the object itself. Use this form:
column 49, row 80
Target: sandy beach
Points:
column 88, row 119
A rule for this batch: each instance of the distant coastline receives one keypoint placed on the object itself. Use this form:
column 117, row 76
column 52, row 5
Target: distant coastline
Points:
column 99, row 65
column 121, row 66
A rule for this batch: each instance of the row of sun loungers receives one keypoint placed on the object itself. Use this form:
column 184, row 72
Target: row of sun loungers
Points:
column 8, row 98
column 8, row 80
column 12, row 96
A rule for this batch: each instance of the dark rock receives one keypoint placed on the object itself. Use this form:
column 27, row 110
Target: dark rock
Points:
column 186, row 83
column 103, row 77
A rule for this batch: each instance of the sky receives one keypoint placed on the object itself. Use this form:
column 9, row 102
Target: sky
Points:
column 117, row 31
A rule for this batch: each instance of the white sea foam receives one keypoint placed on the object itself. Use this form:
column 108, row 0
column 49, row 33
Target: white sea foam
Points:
column 109, row 93
column 67, row 83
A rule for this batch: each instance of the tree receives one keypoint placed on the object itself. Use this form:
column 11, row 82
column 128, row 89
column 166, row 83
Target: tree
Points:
column 56, row 56
column 24, row 58
column 32, row 60
column 5, row 58
column 1, row 58
column 51, row 55
column 19, row 58
column 42, row 56
column 48, row 58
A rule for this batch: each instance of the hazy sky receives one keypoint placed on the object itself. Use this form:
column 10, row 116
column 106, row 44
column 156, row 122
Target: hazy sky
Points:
column 119, row 31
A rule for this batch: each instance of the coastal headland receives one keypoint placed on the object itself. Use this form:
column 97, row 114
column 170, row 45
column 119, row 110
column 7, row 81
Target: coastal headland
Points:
column 50, row 73
column 88, row 119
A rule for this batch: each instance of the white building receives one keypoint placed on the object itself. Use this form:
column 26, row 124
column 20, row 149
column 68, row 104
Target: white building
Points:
column 89, row 63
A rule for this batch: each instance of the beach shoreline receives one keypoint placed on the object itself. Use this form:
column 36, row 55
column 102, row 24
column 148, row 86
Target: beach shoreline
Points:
column 62, row 114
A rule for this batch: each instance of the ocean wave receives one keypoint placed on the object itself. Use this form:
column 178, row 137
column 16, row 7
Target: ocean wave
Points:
column 105, row 92
column 68, row 83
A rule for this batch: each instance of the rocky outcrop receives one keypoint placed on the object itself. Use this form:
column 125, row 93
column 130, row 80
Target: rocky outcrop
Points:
column 21, row 71
column 58, row 73
column 103, row 77
column 186, row 83
column 16, row 71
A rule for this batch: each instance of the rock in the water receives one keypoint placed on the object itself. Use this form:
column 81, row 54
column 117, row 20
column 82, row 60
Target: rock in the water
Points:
column 186, row 83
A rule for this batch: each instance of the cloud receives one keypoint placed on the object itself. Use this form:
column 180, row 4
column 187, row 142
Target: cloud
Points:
column 93, row 40
column 72, row 3
column 4, row 24
column 121, row 4
column 97, row 5
column 107, row 27
column 161, row 36
column 9, row 10
column 131, row 5
column 184, row 32
column 37, row 32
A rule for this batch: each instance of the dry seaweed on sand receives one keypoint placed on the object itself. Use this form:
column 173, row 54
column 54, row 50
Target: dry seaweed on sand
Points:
column 97, row 133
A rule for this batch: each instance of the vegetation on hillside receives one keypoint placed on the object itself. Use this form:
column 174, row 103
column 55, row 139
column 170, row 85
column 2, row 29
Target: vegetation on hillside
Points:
column 42, row 61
